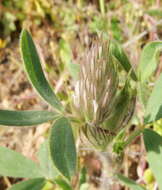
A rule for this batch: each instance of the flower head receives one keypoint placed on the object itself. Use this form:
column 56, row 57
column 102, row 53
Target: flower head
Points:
column 95, row 90
column 97, row 99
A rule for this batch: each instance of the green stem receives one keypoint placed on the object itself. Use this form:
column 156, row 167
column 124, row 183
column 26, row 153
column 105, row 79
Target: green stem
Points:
column 102, row 6
column 80, row 3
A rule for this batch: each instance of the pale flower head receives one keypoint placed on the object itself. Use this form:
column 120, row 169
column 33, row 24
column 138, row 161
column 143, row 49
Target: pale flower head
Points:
column 100, row 104
column 97, row 85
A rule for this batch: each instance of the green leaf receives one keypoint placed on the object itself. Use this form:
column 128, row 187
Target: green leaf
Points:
column 120, row 55
column 62, row 147
column 35, row 72
column 155, row 12
column 154, row 105
column 153, row 145
column 31, row 184
column 13, row 164
column 25, row 118
column 143, row 93
column 129, row 183
column 123, row 108
column 82, row 177
column 63, row 184
column 66, row 57
column 46, row 164
column 148, row 60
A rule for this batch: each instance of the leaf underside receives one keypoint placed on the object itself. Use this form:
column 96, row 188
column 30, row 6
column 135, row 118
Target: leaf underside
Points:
column 46, row 164
column 154, row 104
column 148, row 60
column 31, row 184
column 13, row 164
column 153, row 145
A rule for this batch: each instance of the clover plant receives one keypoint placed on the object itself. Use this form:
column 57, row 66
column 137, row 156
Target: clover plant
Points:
column 106, row 90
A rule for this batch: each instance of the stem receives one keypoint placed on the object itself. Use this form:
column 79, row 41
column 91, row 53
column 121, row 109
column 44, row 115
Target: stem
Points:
column 79, row 3
column 111, row 164
column 133, row 136
column 102, row 6
column 7, row 181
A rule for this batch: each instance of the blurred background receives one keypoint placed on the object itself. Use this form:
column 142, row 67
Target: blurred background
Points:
column 62, row 31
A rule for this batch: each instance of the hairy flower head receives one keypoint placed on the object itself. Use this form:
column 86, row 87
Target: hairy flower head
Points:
column 97, row 85
column 99, row 103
